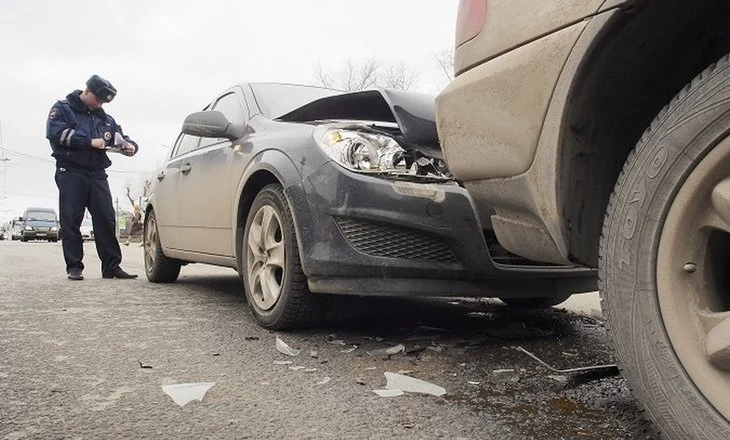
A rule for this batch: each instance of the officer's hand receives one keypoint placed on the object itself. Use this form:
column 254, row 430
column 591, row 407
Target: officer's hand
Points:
column 98, row 143
column 129, row 150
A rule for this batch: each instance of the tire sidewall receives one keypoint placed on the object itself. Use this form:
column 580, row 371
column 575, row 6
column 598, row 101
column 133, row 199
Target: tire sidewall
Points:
column 677, row 141
column 273, row 198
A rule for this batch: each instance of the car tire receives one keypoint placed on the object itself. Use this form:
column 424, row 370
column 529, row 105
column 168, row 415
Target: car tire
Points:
column 536, row 302
column 663, row 256
column 158, row 267
column 275, row 285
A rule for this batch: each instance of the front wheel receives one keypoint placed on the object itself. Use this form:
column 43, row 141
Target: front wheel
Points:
column 158, row 267
column 664, row 259
column 276, row 287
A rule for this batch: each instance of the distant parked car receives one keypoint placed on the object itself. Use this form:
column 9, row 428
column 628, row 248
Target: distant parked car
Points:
column 39, row 224
column 308, row 190
column 16, row 229
column 87, row 229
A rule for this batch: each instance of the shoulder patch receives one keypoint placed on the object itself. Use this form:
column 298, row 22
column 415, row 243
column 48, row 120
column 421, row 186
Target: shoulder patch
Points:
column 52, row 115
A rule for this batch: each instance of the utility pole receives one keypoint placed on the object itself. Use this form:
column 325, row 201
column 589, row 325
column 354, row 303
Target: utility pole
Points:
column 116, row 218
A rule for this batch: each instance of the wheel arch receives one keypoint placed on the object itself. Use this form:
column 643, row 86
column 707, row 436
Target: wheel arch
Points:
column 271, row 166
column 639, row 60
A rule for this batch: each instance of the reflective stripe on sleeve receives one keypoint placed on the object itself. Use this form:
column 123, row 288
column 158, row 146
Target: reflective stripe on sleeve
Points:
column 68, row 139
column 64, row 133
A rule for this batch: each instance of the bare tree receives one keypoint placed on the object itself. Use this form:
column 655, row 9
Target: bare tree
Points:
column 143, row 188
column 445, row 60
column 398, row 77
column 370, row 73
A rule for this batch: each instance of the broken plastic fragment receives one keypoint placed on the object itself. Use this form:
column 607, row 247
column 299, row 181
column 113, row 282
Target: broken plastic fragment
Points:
column 283, row 348
column 412, row 385
column 388, row 351
column 310, row 370
column 370, row 368
column 472, row 382
column 558, row 378
column 283, row 362
column 349, row 350
column 505, row 370
column 297, row 368
column 183, row 393
column 389, row 393
column 324, row 381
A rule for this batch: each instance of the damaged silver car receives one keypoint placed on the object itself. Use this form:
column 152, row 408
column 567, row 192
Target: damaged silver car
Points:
column 308, row 191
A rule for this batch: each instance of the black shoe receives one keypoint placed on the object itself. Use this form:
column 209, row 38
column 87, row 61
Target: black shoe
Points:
column 75, row 274
column 118, row 273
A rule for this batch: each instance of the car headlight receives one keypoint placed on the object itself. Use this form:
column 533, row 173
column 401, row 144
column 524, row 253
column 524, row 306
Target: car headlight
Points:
column 367, row 152
column 28, row 228
column 54, row 229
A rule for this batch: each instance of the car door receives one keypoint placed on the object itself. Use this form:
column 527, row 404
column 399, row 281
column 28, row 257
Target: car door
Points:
column 167, row 192
column 205, row 192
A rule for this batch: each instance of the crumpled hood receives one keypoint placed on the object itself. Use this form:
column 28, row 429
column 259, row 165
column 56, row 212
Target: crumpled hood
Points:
column 413, row 112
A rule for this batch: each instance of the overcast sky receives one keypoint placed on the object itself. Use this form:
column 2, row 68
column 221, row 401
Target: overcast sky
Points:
column 168, row 59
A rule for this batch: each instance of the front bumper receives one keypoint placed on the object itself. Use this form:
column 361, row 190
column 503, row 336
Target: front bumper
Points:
column 368, row 235
column 40, row 235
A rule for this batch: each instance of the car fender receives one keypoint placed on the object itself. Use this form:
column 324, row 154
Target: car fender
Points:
column 268, row 166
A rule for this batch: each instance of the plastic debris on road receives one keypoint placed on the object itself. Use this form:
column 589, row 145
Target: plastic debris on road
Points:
column 389, row 393
column 388, row 351
column 283, row 362
column 183, row 393
column 282, row 347
column 297, row 368
column 324, row 381
column 349, row 350
column 411, row 385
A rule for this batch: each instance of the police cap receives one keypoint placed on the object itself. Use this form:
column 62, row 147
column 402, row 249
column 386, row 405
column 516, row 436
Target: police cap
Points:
column 101, row 88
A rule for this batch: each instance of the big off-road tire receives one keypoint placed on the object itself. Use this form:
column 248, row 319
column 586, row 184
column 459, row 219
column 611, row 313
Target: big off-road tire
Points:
column 276, row 287
column 158, row 267
column 665, row 262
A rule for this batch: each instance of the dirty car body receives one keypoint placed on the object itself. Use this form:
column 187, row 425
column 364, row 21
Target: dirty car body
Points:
column 372, row 207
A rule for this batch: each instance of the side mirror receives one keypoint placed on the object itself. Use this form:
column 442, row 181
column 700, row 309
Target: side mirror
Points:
column 20, row 219
column 212, row 124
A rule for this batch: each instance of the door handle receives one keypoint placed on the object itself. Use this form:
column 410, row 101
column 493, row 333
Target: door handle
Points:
column 161, row 176
column 186, row 168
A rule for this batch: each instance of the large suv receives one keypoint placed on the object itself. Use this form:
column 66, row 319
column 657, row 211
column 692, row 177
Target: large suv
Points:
column 598, row 131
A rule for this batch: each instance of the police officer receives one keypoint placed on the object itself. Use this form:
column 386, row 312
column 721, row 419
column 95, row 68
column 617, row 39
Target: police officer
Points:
column 80, row 132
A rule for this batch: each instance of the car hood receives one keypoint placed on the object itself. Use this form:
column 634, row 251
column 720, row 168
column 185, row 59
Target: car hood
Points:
column 413, row 112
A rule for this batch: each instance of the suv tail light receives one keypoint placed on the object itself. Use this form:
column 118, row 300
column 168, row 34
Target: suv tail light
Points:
column 470, row 20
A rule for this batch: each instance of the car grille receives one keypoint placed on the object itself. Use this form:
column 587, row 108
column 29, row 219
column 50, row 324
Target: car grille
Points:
column 42, row 229
column 382, row 240
column 501, row 255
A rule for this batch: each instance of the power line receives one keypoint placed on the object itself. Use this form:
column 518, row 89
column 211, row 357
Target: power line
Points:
column 50, row 161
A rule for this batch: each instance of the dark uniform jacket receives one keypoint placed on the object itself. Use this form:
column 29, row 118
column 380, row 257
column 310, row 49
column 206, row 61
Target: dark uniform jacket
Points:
column 70, row 128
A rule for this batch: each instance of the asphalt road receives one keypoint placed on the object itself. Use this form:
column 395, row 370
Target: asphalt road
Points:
column 89, row 359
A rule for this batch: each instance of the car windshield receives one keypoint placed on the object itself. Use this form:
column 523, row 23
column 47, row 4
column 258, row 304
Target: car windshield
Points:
column 45, row 216
column 276, row 100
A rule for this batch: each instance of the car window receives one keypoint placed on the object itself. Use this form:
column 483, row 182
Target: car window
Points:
column 186, row 143
column 41, row 216
column 230, row 106
column 276, row 100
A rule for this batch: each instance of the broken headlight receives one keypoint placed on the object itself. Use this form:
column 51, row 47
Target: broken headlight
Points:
column 364, row 150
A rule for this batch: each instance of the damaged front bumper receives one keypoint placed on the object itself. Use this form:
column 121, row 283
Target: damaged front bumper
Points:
column 363, row 234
